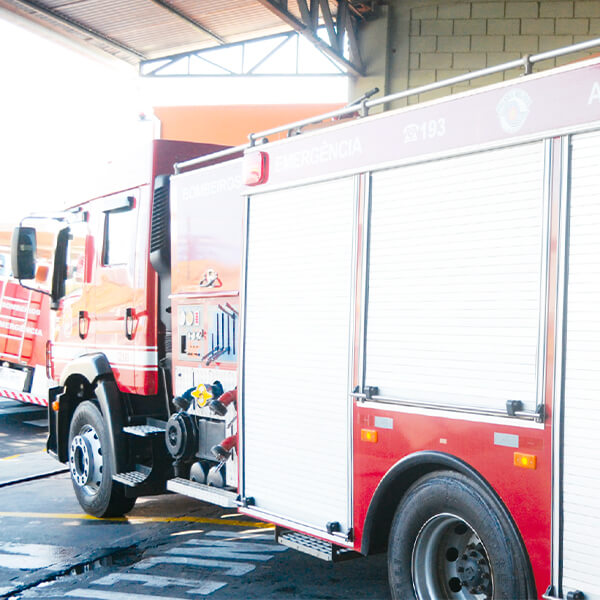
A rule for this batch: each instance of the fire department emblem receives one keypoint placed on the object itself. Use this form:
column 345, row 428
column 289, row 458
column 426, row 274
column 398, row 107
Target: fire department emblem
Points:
column 513, row 110
column 210, row 279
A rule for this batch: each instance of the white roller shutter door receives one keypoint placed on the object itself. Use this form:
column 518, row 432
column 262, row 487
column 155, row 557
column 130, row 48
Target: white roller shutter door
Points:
column 581, row 473
column 455, row 279
column 296, row 407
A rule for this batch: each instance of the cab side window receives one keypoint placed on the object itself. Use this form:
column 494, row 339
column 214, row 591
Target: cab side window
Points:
column 4, row 265
column 119, row 228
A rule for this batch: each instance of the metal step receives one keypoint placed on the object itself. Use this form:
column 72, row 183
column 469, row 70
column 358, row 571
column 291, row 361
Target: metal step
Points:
column 314, row 546
column 131, row 479
column 143, row 430
column 220, row 496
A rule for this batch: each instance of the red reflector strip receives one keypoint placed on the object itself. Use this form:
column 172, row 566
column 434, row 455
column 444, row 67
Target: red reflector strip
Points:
column 256, row 168
column 368, row 435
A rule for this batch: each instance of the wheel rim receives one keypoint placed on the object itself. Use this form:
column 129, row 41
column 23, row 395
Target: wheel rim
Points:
column 85, row 460
column 449, row 561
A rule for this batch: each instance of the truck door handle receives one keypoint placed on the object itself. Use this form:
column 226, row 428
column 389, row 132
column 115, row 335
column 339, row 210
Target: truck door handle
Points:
column 84, row 324
column 129, row 323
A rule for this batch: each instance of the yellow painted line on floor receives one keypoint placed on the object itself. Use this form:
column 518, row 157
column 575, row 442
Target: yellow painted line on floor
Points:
column 133, row 519
column 12, row 457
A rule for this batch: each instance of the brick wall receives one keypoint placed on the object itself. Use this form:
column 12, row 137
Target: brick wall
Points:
column 451, row 38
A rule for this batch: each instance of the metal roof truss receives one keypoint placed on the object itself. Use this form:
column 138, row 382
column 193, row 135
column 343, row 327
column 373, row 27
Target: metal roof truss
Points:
column 340, row 27
column 276, row 55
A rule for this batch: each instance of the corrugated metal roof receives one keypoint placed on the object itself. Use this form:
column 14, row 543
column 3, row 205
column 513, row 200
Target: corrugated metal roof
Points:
column 134, row 30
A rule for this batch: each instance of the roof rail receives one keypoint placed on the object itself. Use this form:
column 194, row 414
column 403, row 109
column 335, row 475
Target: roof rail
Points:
column 178, row 167
column 526, row 62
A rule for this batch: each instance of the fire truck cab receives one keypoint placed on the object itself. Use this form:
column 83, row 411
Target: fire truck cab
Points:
column 112, row 354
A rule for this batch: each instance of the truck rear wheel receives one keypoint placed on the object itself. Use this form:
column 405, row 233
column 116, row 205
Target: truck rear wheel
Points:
column 447, row 541
column 90, row 465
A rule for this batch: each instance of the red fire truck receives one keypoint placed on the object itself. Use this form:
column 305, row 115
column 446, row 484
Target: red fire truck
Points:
column 24, row 318
column 407, row 359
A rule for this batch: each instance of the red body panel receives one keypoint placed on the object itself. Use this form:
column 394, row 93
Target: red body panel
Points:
column 207, row 230
column 206, row 240
column 525, row 492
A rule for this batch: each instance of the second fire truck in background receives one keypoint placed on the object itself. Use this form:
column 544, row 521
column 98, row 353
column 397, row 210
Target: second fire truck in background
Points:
column 24, row 315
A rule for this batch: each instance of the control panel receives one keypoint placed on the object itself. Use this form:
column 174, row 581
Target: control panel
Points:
column 191, row 331
column 208, row 333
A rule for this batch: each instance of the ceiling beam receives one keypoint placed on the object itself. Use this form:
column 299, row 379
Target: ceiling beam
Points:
column 329, row 25
column 183, row 64
column 65, row 21
column 189, row 19
column 308, row 24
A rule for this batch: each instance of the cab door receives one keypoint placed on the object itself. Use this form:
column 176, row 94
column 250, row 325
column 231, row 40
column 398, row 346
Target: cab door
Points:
column 119, row 307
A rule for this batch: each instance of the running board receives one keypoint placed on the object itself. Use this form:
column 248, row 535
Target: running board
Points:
column 131, row 478
column 313, row 546
column 144, row 430
column 201, row 491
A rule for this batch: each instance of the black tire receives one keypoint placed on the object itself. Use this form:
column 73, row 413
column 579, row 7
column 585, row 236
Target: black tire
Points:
column 450, row 541
column 90, row 465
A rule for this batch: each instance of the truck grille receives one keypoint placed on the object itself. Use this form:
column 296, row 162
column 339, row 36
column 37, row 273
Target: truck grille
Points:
column 160, row 238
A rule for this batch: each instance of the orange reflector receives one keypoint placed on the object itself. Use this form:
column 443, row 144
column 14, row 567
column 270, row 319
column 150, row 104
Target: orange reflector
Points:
column 55, row 406
column 256, row 168
column 368, row 435
column 525, row 461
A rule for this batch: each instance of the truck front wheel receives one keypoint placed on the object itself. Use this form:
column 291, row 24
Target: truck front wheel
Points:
column 90, row 465
column 448, row 541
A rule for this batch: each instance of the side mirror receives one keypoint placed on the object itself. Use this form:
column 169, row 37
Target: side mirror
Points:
column 39, row 256
column 23, row 253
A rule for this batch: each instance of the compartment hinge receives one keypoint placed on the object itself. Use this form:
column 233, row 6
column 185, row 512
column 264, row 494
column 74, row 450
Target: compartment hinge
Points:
column 551, row 594
column 245, row 502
